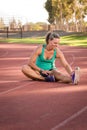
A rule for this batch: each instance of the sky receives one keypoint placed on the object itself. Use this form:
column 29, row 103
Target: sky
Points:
column 24, row 10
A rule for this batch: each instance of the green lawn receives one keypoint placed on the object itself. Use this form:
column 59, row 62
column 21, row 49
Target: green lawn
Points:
column 75, row 40
column 38, row 40
column 79, row 39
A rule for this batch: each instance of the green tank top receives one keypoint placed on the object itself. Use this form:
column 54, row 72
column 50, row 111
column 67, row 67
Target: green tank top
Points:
column 46, row 64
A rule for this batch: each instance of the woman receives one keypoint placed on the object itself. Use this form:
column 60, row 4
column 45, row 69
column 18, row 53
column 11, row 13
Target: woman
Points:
column 41, row 65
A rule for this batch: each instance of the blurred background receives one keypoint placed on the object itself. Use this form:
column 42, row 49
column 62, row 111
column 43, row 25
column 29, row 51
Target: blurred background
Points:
column 22, row 18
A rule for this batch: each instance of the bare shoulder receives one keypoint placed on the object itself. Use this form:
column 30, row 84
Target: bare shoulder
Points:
column 35, row 53
column 38, row 50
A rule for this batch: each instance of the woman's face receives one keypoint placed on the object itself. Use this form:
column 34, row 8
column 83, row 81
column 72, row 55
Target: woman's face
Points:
column 54, row 43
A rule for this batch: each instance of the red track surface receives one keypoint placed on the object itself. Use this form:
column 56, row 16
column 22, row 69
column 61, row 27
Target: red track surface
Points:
column 34, row 105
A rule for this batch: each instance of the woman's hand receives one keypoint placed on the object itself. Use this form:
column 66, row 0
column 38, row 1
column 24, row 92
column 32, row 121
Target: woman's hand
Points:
column 45, row 73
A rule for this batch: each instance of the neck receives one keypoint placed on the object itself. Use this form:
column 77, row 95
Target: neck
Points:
column 49, row 48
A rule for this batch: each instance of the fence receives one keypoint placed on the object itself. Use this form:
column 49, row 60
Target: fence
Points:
column 20, row 33
column 13, row 33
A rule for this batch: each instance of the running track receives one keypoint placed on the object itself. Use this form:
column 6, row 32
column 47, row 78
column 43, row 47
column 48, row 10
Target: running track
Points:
column 34, row 105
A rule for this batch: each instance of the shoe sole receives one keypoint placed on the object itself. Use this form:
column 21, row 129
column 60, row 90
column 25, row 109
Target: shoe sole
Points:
column 77, row 75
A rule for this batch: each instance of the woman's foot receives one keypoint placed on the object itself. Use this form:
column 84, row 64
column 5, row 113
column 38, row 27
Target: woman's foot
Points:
column 76, row 76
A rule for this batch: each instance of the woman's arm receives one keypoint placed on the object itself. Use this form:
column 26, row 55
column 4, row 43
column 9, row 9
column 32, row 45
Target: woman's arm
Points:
column 33, row 57
column 64, row 62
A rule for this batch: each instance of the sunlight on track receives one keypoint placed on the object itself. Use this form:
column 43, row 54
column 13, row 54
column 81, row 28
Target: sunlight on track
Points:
column 9, row 68
column 60, row 90
column 15, row 58
column 17, row 46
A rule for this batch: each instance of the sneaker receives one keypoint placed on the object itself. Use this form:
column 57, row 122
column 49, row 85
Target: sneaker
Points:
column 76, row 76
column 50, row 78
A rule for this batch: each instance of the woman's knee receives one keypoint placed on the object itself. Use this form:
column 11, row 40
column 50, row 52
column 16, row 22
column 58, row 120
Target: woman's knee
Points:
column 25, row 68
column 56, row 72
column 27, row 71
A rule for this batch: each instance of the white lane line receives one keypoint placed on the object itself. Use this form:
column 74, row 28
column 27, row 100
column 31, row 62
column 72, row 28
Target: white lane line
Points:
column 8, row 81
column 10, row 90
column 69, row 119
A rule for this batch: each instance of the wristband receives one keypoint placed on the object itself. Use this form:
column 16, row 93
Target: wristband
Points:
column 72, row 73
column 41, row 71
column 42, row 74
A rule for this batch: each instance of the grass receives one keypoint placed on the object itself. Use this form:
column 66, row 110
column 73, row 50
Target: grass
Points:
column 38, row 40
column 75, row 40
column 79, row 39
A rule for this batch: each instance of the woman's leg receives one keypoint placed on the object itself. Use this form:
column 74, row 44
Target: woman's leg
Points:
column 31, row 73
column 61, row 77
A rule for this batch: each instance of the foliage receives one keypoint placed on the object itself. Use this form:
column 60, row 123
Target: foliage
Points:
column 49, row 8
column 63, row 12
column 1, row 23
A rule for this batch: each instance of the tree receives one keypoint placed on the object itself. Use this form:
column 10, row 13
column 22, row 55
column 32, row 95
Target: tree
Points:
column 13, row 24
column 2, row 23
column 64, row 12
column 49, row 8
column 19, row 24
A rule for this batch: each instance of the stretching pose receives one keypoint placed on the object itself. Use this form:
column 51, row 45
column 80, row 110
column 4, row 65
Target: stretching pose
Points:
column 41, row 65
